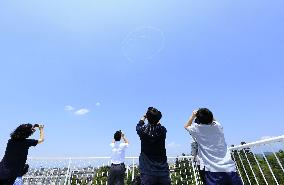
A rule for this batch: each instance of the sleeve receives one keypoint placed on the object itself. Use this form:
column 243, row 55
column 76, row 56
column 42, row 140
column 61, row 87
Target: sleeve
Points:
column 32, row 142
column 164, row 131
column 192, row 129
column 111, row 145
column 139, row 127
column 219, row 126
column 124, row 145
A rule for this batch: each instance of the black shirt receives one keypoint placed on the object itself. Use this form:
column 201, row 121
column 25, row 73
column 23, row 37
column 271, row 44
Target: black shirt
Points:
column 152, row 148
column 15, row 157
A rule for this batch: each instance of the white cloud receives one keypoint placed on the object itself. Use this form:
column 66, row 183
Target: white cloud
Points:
column 69, row 108
column 98, row 104
column 173, row 145
column 82, row 111
column 266, row 137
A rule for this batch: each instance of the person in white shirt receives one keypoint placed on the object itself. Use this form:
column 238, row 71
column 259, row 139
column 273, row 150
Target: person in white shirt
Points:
column 212, row 149
column 117, row 170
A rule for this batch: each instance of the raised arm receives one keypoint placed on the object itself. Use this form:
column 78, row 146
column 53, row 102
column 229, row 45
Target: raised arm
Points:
column 124, row 139
column 143, row 118
column 140, row 124
column 41, row 134
column 192, row 117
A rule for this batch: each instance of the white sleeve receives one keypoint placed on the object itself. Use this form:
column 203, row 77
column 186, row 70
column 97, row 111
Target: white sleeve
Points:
column 219, row 125
column 192, row 129
column 124, row 145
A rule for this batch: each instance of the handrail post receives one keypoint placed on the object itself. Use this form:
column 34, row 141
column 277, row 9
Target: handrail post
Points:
column 68, row 169
column 133, row 169
column 194, row 173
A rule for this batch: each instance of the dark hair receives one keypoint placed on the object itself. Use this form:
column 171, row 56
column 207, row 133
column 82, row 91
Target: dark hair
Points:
column 117, row 135
column 153, row 115
column 22, row 132
column 204, row 116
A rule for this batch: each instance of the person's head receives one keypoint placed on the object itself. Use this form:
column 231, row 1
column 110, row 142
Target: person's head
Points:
column 23, row 131
column 153, row 115
column 204, row 116
column 117, row 135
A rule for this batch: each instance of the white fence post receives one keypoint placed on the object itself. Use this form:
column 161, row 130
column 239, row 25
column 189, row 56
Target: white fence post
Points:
column 243, row 167
column 133, row 168
column 67, row 173
column 250, row 167
column 194, row 173
column 269, row 167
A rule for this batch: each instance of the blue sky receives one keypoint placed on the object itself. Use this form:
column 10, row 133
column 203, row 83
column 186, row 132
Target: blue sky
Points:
column 109, row 60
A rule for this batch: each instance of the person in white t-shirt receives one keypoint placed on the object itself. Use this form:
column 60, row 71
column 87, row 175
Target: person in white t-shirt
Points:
column 117, row 170
column 215, row 157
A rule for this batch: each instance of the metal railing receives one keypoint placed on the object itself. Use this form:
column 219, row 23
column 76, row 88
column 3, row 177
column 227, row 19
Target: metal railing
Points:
column 94, row 170
column 258, row 163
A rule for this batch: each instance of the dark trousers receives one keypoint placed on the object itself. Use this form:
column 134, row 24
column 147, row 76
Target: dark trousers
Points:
column 222, row 178
column 116, row 174
column 202, row 174
column 8, row 181
column 155, row 180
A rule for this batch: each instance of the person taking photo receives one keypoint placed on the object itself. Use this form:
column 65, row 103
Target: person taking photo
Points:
column 215, row 158
column 13, row 163
column 153, row 165
column 117, row 169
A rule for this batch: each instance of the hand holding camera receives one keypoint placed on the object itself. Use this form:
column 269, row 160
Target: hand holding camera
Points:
column 40, row 126
column 122, row 134
column 144, row 117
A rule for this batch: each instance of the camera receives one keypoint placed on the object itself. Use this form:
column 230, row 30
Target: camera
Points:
column 38, row 125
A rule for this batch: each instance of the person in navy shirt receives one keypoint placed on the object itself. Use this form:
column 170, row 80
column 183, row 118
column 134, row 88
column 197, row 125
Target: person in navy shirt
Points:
column 153, row 163
column 14, row 160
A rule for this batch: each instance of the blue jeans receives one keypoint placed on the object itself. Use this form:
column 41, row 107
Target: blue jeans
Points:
column 222, row 178
column 155, row 180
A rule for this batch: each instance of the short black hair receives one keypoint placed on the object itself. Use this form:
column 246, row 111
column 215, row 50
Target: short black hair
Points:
column 117, row 135
column 22, row 132
column 204, row 116
column 153, row 115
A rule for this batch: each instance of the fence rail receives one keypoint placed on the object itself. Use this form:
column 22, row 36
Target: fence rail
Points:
column 259, row 162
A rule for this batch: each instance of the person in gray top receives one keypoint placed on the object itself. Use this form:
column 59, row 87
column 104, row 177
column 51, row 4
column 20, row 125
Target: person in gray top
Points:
column 215, row 158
